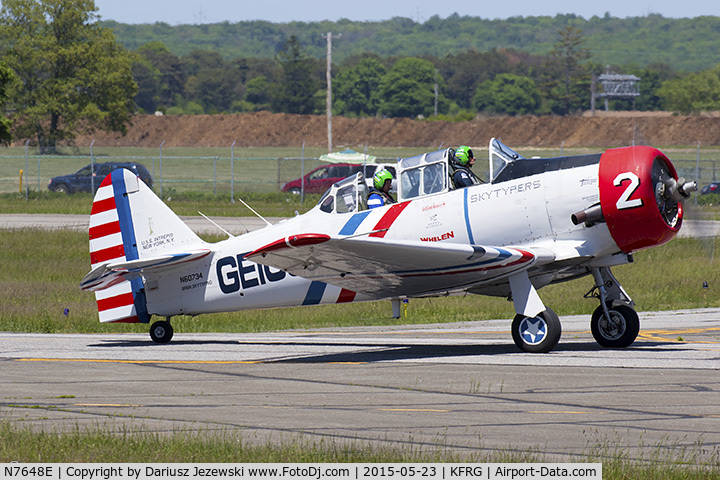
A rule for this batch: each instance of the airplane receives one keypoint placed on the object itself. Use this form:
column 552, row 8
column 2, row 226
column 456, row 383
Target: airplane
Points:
column 534, row 222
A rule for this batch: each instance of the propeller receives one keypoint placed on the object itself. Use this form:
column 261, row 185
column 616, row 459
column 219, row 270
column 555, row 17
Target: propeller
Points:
column 669, row 193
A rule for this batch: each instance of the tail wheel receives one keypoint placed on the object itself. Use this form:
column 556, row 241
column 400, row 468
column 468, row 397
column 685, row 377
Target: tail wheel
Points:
column 619, row 331
column 161, row 332
column 538, row 334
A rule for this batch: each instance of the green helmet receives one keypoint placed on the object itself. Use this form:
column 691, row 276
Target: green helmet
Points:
column 380, row 178
column 463, row 155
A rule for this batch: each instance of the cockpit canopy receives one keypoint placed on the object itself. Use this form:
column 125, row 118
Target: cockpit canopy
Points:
column 418, row 176
column 346, row 196
column 423, row 174
column 500, row 157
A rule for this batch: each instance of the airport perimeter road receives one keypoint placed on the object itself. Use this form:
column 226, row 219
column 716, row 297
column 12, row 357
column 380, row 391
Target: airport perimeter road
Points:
column 239, row 225
column 234, row 225
column 462, row 386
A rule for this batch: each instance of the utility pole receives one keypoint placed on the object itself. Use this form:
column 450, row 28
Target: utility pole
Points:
column 328, row 76
column 436, row 91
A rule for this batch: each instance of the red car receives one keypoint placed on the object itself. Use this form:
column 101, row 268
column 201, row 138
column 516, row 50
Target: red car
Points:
column 321, row 178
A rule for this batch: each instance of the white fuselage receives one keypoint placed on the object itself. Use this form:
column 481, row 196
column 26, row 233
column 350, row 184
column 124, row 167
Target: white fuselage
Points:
column 532, row 211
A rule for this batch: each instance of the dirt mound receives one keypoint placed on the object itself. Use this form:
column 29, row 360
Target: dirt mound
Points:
column 265, row 129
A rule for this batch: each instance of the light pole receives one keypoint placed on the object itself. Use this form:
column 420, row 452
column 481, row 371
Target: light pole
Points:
column 328, row 76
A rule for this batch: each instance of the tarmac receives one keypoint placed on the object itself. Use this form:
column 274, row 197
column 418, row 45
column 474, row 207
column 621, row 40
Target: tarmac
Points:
column 462, row 387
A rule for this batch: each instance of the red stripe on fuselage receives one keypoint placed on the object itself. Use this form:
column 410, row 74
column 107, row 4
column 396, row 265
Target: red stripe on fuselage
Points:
column 388, row 219
column 346, row 296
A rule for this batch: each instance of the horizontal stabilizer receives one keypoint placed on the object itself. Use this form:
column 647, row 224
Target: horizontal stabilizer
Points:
column 109, row 274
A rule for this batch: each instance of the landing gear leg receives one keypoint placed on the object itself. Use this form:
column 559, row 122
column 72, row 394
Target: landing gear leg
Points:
column 162, row 331
column 535, row 328
column 614, row 324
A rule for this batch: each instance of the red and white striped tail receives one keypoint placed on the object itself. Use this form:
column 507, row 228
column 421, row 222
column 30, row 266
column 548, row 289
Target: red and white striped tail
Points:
column 112, row 239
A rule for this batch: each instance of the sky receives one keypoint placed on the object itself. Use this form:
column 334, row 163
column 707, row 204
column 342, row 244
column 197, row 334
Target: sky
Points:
column 176, row 12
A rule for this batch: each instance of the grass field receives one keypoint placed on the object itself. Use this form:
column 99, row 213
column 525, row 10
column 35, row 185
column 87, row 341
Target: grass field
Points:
column 19, row 444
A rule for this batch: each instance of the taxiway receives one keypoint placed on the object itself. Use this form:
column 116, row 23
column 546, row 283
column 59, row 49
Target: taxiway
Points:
column 460, row 386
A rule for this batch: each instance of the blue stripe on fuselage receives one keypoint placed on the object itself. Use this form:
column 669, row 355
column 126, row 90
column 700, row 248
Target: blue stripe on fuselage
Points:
column 467, row 217
column 352, row 225
column 315, row 293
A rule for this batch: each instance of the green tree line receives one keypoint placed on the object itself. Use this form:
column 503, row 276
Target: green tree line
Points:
column 686, row 44
column 63, row 71
column 452, row 87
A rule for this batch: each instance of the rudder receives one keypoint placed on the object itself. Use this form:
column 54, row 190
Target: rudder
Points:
column 129, row 222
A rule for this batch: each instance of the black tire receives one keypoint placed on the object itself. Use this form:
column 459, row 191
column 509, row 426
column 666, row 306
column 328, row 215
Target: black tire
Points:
column 62, row 188
column 538, row 334
column 161, row 332
column 295, row 191
column 620, row 332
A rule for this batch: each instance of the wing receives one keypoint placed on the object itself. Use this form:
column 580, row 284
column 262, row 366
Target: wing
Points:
column 383, row 268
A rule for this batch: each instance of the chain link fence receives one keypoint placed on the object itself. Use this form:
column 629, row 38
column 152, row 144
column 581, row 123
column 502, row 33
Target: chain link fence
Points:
column 223, row 172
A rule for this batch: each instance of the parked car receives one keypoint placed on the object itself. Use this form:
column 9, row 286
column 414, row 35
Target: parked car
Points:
column 714, row 187
column 319, row 179
column 322, row 177
column 80, row 181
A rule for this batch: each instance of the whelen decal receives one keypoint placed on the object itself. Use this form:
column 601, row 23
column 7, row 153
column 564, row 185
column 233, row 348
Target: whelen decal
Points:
column 439, row 238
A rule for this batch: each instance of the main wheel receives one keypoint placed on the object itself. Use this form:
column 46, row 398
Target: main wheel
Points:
column 622, row 329
column 537, row 334
column 161, row 332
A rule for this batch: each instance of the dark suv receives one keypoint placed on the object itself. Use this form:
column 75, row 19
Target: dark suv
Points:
column 80, row 180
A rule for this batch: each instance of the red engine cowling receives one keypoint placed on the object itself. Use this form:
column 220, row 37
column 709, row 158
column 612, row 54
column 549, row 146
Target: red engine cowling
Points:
column 638, row 208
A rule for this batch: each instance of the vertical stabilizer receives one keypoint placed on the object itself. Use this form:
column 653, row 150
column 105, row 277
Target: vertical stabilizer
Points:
column 129, row 222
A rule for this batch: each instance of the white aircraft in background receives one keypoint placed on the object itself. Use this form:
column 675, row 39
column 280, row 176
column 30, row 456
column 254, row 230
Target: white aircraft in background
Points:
column 536, row 222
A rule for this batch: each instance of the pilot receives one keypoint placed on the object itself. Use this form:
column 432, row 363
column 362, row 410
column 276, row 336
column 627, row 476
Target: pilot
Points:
column 462, row 175
column 380, row 191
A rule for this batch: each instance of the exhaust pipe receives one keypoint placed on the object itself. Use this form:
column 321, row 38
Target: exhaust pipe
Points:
column 589, row 216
